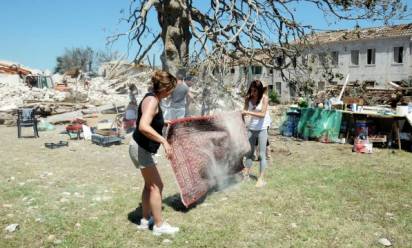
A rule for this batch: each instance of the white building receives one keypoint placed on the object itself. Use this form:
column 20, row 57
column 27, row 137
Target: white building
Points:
column 375, row 56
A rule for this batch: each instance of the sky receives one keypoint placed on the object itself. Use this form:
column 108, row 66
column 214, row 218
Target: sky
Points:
column 35, row 32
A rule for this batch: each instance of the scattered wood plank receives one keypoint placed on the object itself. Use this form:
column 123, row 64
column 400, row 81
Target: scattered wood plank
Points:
column 67, row 117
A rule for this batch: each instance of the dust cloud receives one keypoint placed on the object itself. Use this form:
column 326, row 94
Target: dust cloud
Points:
column 224, row 163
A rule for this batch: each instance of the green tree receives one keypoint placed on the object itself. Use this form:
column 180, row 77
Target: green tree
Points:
column 76, row 58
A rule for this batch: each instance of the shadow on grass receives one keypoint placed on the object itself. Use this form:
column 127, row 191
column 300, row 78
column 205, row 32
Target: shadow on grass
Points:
column 176, row 203
column 28, row 137
column 135, row 215
column 253, row 177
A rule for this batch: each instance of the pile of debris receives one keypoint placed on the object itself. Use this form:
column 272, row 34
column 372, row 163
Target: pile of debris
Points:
column 75, row 90
column 115, row 80
column 371, row 96
column 66, row 93
column 10, row 68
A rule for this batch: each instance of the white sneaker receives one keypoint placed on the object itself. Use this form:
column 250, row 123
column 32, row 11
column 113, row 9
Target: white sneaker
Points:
column 145, row 224
column 164, row 229
column 260, row 183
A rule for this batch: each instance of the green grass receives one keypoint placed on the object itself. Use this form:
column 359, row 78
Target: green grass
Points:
column 322, row 195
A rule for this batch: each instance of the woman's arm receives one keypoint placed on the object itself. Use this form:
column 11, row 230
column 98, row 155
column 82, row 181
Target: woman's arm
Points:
column 261, row 114
column 246, row 105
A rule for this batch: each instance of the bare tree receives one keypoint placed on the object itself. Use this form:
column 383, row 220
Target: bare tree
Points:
column 107, row 56
column 235, row 28
column 208, row 35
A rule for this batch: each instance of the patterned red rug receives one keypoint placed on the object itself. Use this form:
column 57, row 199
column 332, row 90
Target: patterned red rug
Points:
column 206, row 150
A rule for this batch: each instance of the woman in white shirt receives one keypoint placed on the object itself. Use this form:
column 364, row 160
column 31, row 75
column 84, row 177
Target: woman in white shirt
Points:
column 256, row 106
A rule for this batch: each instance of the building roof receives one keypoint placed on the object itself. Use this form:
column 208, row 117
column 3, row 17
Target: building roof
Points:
column 363, row 34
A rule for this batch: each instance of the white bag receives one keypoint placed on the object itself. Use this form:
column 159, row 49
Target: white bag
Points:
column 87, row 132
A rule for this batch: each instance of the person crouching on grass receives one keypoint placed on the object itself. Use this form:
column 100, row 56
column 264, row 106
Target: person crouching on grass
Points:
column 147, row 139
column 256, row 106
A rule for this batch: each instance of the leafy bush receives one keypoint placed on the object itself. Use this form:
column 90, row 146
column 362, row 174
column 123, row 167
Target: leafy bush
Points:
column 274, row 97
column 302, row 103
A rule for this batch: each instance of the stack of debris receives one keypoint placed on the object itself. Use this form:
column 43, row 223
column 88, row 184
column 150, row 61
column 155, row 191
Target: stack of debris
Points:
column 80, row 91
column 10, row 68
column 76, row 92
column 371, row 96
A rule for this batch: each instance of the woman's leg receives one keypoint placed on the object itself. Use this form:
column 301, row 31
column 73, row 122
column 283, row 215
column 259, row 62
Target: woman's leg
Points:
column 252, row 141
column 263, row 137
column 256, row 150
column 268, row 153
column 146, row 203
column 134, row 156
column 154, row 185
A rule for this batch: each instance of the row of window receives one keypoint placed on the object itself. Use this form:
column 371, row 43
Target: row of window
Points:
column 255, row 70
column 321, row 86
column 398, row 56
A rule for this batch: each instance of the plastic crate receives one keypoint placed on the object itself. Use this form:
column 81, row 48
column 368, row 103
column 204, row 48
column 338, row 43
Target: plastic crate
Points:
column 105, row 140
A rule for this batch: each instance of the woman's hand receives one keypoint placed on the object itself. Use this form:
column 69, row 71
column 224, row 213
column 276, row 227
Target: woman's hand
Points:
column 168, row 149
column 244, row 112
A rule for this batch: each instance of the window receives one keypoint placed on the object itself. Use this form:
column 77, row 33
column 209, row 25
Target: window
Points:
column 279, row 88
column 369, row 83
column 335, row 58
column 232, row 70
column 322, row 58
column 215, row 71
column 270, row 88
column 257, row 70
column 410, row 48
column 398, row 55
column 354, row 57
column 370, row 56
column 271, row 71
column 279, row 60
column 292, row 90
column 321, row 85
column 305, row 59
column 294, row 62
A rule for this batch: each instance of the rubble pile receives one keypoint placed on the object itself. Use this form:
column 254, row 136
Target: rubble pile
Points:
column 13, row 93
column 370, row 96
column 78, row 93
column 82, row 91
column 113, row 87
column 118, row 75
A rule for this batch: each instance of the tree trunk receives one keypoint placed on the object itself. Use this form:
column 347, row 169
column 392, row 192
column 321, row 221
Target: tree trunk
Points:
column 175, row 35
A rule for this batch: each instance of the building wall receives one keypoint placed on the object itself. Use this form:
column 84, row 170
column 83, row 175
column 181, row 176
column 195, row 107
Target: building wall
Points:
column 383, row 71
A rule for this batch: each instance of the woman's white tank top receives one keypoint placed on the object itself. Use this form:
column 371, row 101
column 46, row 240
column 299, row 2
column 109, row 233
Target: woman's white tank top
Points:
column 258, row 123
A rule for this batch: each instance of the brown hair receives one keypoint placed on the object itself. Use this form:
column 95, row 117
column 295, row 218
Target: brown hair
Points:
column 257, row 84
column 162, row 80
